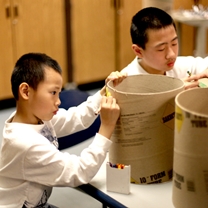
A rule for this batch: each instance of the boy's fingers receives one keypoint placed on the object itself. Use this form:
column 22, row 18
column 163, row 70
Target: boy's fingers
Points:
column 189, row 85
column 116, row 77
column 109, row 102
column 120, row 78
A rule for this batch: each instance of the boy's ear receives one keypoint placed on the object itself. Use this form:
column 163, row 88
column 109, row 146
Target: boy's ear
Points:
column 137, row 50
column 24, row 90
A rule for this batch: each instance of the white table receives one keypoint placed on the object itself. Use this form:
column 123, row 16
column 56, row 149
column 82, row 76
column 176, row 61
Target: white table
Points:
column 201, row 35
column 141, row 196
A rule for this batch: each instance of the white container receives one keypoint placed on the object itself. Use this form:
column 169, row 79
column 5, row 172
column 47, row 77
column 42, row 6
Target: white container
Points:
column 190, row 179
column 143, row 136
column 118, row 180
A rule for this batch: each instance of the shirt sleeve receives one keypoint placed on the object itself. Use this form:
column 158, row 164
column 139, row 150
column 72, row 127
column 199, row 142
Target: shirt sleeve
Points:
column 46, row 165
column 76, row 118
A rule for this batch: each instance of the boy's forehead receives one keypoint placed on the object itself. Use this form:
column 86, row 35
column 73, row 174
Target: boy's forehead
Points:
column 162, row 34
column 50, row 71
column 51, row 75
column 48, row 68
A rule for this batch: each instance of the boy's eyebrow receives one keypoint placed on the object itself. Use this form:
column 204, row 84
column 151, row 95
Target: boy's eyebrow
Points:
column 57, row 88
column 174, row 38
column 160, row 44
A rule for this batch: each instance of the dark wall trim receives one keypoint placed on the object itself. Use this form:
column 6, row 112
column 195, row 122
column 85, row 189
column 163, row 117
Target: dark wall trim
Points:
column 92, row 85
column 68, row 39
column 7, row 103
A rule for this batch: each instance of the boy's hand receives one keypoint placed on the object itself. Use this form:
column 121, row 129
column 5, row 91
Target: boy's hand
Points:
column 116, row 77
column 109, row 114
column 193, row 80
column 190, row 83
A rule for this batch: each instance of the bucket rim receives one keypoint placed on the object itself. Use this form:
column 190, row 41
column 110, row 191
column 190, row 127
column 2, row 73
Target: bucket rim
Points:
column 185, row 108
column 148, row 93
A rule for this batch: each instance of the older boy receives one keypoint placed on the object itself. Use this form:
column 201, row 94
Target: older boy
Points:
column 155, row 44
column 30, row 163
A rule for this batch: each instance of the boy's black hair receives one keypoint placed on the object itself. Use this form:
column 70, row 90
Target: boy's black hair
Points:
column 148, row 18
column 30, row 69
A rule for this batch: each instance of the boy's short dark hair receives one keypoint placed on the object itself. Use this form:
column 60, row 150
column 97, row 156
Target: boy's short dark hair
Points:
column 30, row 69
column 148, row 18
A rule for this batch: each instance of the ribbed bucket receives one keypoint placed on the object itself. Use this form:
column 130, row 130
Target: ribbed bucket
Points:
column 143, row 137
column 190, row 179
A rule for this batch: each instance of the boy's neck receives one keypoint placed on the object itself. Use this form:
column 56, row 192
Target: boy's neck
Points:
column 151, row 70
column 21, row 116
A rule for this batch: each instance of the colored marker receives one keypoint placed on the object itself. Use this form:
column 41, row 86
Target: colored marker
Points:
column 107, row 93
column 118, row 165
column 189, row 73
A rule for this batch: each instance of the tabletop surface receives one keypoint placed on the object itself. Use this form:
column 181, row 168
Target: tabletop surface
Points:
column 141, row 196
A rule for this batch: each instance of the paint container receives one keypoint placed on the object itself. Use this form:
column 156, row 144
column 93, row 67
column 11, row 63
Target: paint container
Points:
column 143, row 136
column 166, row 5
column 190, row 180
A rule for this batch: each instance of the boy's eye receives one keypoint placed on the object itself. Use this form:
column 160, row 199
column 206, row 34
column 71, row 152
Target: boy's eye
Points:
column 175, row 42
column 161, row 49
column 53, row 93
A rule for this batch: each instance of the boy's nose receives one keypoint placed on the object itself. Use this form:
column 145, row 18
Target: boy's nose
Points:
column 58, row 103
column 171, row 53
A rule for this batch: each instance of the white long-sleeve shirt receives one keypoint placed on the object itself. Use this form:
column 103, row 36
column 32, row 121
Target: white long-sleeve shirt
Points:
column 183, row 64
column 31, row 164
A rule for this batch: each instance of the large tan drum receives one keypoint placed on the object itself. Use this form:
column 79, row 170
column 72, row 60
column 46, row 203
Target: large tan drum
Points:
column 143, row 137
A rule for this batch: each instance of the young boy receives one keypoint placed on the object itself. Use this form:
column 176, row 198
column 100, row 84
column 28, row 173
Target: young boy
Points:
column 155, row 44
column 30, row 163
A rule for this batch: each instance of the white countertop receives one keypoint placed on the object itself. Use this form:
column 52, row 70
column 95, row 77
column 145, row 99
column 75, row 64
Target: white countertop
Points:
column 141, row 196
